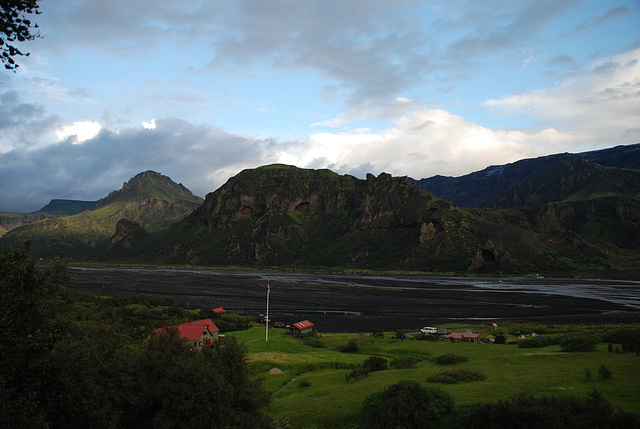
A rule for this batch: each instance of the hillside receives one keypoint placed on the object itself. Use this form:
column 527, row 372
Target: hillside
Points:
column 284, row 216
column 482, row 188
column 149, row 199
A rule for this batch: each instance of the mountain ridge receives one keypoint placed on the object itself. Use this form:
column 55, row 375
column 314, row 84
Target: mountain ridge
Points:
column 149, row 198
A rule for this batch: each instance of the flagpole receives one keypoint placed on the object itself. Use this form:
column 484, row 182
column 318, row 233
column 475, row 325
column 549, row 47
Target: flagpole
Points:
column 266, row 322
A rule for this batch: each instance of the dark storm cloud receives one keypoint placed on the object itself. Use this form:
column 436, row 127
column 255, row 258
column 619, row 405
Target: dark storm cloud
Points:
column 201, row 157
column 21, row 124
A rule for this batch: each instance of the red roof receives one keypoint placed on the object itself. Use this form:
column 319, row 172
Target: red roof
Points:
column 218, row 310
column 305, row 324
column 461, row 335
column 192, row 330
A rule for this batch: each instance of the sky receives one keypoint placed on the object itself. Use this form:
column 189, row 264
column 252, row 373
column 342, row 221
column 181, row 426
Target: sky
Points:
column 199, row 90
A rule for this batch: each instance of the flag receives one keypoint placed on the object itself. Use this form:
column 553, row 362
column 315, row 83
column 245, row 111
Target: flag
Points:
column 268, row 289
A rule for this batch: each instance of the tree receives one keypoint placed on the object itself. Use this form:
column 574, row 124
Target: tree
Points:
column 406, row 404
column 15, row 27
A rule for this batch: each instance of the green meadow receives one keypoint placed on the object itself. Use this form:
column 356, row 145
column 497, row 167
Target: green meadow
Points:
column 310, row 389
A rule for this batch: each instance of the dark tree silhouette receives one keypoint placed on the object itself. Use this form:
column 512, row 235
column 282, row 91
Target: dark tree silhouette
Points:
column 15, row 27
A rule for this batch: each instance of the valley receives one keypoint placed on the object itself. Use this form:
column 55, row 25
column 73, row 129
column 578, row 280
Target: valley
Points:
column 359, row 303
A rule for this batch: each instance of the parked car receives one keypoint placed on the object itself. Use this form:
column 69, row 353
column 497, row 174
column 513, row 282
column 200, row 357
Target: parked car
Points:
column 429, row 330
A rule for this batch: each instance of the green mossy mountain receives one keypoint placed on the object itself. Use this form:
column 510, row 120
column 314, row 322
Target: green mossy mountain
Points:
column 55, row 208
column 149, row 199
column 283, row 216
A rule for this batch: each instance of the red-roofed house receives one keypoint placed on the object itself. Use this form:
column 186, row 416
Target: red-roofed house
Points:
column 301, row 329
column 465, row 337
column 202, row 333
column 218, row 310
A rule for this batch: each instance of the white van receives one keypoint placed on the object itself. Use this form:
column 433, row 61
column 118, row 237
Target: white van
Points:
column 429, row 330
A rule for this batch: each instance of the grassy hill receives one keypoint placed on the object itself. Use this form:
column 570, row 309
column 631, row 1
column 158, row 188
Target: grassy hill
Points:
column 311, row 390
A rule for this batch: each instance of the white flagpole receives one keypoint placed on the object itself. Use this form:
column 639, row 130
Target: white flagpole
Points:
column 266, row 322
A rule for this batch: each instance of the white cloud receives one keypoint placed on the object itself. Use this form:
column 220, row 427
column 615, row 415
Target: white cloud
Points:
column 599, row 106
column 149, row 125
column 82, row 131
column 423, row 142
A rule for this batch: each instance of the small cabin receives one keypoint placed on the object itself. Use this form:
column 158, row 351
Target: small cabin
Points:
column 465, row 337
column 301, row 329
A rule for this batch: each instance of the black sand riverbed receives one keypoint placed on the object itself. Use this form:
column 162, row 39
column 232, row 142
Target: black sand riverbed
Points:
column 336, row 303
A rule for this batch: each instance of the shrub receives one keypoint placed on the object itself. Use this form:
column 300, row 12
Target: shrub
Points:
column 350, row 347
column 377, row 333
column 583, row 342
column 500, row 339
column 449, row 359
column 458, row 375
column 629, row 339
column 403, row 363
column 426, row 337
column 375, row 363
column 400, row 335
column 313, row 341
column 527, row 411
column 533, row 342
column 408, row 405
column 605, row 372
column 371, row 364
column 304, row 383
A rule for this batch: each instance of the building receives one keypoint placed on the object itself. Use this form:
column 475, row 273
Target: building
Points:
column 218, row 310
column 465, row 337
column 301, row 329
column 201, row 333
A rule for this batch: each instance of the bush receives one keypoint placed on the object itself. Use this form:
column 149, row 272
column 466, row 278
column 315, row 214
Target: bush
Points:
column 375, row 363
column 449, row 359
column 629, row 339
column 500, row 339
column 400, row 335
column 408, row 405
column 304, row 383
column 582, row 342
column 403, row 363
column 377, row 333
column 605, row 372
column 350, row 347
column 313, row 341
column 533, row 342
column 426, row 337
column 527, row 411
column 458, row 375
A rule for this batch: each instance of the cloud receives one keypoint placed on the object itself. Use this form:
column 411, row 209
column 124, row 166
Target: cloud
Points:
column 200, row 156
column 22, row 124
column 600, row 106
column 80, row 131
column 424, row 142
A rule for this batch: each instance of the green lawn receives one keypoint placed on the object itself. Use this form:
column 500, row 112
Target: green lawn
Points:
column 329, row 399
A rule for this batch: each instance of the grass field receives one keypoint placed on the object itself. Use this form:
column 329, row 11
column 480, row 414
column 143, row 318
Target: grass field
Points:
column 312, row 390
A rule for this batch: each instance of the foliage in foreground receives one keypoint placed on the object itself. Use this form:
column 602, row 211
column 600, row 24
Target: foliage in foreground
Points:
column 63, row 367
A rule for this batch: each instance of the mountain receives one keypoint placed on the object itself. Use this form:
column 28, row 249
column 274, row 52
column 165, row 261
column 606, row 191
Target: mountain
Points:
column 150, row 199
column 479, row 188
column 284, row 216
column 66, row 207
column 55, row 208
column 578, row 180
